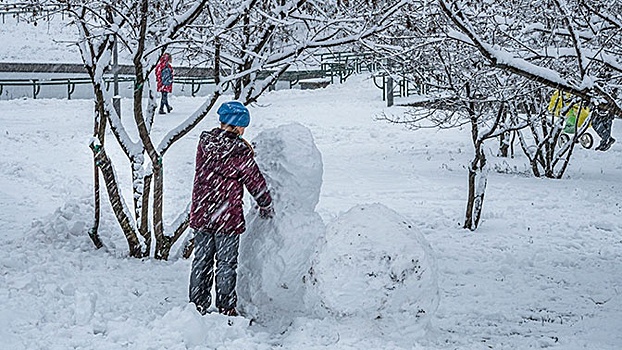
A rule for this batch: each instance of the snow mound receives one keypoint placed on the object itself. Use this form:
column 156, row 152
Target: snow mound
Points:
column 374, row 264
column 191, row 330
column 275, row 254
column 67, row 226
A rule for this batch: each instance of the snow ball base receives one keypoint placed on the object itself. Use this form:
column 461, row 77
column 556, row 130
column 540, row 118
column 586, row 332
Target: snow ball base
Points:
column 375, row 265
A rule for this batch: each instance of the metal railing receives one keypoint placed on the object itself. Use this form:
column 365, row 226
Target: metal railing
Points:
column 344, row 64
column 332, row 65
column 19, row 10
column 393, row 86
column 36, row 84
column 195, row 83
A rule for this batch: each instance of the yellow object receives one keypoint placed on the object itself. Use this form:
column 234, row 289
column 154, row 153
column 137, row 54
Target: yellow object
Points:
column 558, row 103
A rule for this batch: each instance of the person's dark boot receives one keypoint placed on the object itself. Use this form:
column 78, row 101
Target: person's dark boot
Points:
column 228, row 312
column 605, row 146
column 161, row 111
column 169, row 108
column 202, row 310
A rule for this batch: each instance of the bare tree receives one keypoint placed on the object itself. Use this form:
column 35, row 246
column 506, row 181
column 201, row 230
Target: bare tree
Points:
column 461, row 89
column 139, row 28
column 570, row 45
column 249, row 44
column 543, row 141
column 563, row 44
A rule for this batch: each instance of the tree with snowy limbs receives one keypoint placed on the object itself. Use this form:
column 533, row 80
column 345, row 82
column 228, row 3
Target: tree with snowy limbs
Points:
column 239, row 40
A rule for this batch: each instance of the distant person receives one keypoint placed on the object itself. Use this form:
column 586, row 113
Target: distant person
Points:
column 164, row 77
column 575, row 116
column 602, row 121
column 224, row 164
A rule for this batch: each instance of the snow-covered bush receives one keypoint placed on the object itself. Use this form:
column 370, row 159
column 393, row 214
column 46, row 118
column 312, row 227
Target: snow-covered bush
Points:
column 275, row 254
column 375, row 265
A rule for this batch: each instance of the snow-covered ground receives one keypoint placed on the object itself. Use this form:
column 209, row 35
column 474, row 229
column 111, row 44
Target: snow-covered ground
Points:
column 543, row 269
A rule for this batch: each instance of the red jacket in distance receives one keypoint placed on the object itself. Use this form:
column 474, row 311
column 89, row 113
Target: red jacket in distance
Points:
column 224, row 164
column 164, row 74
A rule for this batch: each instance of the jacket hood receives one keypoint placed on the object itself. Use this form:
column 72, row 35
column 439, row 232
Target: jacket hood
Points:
column 165, row 59
column 218, row 145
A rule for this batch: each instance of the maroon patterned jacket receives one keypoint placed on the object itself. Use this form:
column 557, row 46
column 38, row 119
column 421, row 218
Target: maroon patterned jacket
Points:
column 224, row 164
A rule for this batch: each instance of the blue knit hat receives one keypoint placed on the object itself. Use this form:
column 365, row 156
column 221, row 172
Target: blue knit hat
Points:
column 234, row 113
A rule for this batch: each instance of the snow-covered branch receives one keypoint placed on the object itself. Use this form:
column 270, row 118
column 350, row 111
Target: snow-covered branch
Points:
column 504, row 59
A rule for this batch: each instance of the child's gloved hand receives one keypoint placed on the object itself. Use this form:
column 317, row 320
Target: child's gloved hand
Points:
column 266, row 212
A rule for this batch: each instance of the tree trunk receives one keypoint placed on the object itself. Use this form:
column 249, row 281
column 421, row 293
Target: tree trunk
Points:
column 99, row 131
column 504, row 144
column 477, row 188
column 188, row 248
column 94, row 231
column 138, row 185
column 477, row 176
column 545, row 160
column 505, row 139
column 119, row 208
column 143, row 224
column 161, row 244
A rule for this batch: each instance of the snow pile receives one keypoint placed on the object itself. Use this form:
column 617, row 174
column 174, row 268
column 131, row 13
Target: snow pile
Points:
column 275, row 254
column 66, row 226
column 375, row 265
column 186, row 327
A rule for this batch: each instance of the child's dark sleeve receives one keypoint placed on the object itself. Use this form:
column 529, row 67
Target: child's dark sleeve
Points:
column 255, row 181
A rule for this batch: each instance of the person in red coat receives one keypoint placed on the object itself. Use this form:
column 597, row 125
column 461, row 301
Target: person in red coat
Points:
column 164, row 77
column 225, row 164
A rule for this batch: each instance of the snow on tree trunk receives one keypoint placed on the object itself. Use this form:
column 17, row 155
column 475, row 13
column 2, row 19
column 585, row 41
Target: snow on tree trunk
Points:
column 481, row 177
column 478, row 178
column 275, row 254
column 123, row 214
column 374, row 264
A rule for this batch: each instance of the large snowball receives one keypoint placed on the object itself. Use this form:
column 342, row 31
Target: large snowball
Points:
column 374, row 264
column 275, row 254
